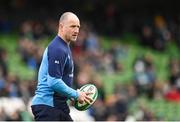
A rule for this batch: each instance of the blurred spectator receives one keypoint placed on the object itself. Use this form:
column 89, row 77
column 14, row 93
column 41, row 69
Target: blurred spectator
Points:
column 84, row 75
column 3, row 91
column 99, row 110
column 26, row 48
column 117, row 107
column 27, row 88
column 118, row 53
column 15, row 116
column 3, row 116
column 174, row 68
column 38, row 30
column 172, row 93
column 26, row 30
column 91, row 43
column 163, row 35
column 13, row 86
column 147, row 115
column 3, row 62
column 51, row 26
column 144, row 75
column 131, row 94
column 121, row 104
column 5, row 24
column 78, row 48
column 33, row 30
column 108, row 63
column 31, row 53
column 147, row 38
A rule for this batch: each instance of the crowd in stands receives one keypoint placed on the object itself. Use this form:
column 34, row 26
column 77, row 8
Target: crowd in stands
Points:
column 89, row 59
column 160, row 31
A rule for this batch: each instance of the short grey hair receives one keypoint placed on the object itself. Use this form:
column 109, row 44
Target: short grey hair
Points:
column 65, row 15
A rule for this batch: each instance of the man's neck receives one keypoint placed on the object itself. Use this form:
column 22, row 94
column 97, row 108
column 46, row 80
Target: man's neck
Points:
column 68, row 42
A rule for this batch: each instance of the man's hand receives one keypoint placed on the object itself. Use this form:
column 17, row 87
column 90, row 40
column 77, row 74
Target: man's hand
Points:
column 83, row 97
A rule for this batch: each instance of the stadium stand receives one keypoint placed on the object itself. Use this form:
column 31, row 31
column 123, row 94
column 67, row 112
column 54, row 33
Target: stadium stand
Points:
column 127, row 56
column 132, row 56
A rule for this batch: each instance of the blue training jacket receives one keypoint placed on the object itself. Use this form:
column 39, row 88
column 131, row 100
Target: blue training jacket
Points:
column 55, row 75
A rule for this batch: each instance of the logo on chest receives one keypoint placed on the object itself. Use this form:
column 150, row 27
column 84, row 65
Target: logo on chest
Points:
column 56, row 62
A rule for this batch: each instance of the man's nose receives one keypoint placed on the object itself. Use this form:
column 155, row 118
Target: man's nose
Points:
column 76, row 30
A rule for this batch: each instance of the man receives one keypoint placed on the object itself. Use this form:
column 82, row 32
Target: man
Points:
column 56, row 75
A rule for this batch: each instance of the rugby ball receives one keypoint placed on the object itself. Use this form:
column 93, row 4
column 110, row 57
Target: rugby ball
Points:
column 87, row 88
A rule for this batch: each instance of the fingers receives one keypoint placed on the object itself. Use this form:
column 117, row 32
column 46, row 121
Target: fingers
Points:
column 89, row 99
column 84, row 97
column 85, row 100
column 81, row 102
column 88, row 93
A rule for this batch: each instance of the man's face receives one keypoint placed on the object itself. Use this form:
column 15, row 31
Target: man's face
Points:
column 71, row 29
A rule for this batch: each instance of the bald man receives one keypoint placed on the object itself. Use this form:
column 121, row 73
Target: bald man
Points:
column 56, row 75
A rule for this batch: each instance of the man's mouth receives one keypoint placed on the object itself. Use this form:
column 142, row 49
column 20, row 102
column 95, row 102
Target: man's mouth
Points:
column 74, row 35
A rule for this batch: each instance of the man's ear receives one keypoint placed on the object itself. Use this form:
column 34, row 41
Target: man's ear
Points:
column 60, row 25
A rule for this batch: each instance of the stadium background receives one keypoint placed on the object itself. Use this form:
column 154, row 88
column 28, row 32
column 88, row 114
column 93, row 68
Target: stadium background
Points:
column 129, row 49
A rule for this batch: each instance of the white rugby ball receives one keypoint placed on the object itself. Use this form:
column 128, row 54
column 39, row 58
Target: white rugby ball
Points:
column 87, row 88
